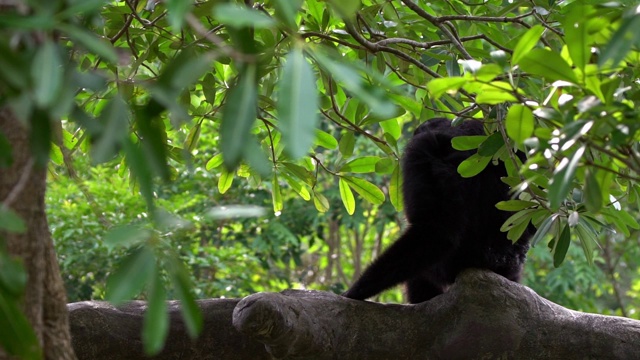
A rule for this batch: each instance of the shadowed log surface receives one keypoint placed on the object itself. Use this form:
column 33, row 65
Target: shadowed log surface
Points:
column 482, row 316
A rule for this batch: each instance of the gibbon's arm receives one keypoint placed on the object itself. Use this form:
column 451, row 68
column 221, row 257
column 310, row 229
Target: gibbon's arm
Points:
column 416, row 250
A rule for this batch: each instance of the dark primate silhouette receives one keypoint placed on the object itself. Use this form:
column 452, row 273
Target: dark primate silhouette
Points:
column 453, row 221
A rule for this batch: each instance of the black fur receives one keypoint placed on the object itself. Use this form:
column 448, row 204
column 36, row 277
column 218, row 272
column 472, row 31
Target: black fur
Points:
column 453, row 221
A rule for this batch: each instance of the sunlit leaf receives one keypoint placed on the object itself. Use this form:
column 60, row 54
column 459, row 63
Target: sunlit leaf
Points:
column 367, row 190
column 237, row 16
column 519, row 123
column 621, row 42
column 347, row 196
column 395, row 189
column 276, row 194
column 225, row 180
column 437, row 87
column 467, row 142
column 527, row 42
column 549, row 65
column 326, row 140
column 473, row 165
column 365, row 164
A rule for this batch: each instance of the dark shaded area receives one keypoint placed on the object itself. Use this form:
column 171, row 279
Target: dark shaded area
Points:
column 483, row 315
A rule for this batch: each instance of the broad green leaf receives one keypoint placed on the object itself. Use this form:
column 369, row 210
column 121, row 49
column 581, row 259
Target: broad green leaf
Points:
column 365, row 164
column 347, row 196
column 240, row 112
column 467, row 142
column 320, row 201
column 437, row 87
column 621, row 42
column 238, row 17
column 297, row 104
column 562, row 245
column 154, row 139
column 526, row 43
column 347, row 144
column 298, row 186
column 516, row 218
column 515, row 233
column 576, row 34
column 562, row 179
column 549, row 65
column 391, row 127
column 491, row 145
column 395, row 189
column 140, row 170
column 47, row 74
column 473, row 165
column 225, row 180
column 326, row 140
column 495, row 96
column 519, row 123
column 276, row 194
column 10, row 221
column 156, row 319
column 299, row 171
column 515, row 205
column 367, row 190
column 126, row 236
column 214, row 162
column 592, row 193
column 131, row 275
column 385, row 165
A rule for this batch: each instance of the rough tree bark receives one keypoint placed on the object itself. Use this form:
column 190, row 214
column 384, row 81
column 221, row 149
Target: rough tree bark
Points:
column 482, row 316
column 22, row 188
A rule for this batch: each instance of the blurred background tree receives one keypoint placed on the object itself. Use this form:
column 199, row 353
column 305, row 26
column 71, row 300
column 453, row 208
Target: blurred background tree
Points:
column 219, row 148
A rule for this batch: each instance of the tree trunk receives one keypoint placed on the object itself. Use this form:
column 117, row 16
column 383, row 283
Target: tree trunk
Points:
column 482, row 316
column 22, row 188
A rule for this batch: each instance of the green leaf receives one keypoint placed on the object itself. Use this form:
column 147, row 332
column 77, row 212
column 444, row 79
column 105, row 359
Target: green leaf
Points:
column 395, row 189
column 515, row 205
column 298, row 186
column 240, row 17
column 467, row 142
column 386, row 165
column 176, row 12
column 519, row 123
column 297, row 104
column 473, row 165
column 437, row 87
column 320, row 201
column 576, row 34
column 326, row 140
column 214, row 162
column 10, row 221
column 126, row 236
column 90, row 41
column 115, row 120
column 587, row 237
column 621, row 41
column 16, row 334
column 182, row 289
column 527, row 42
column 562, row 179
column 47, row 74
column 495, row 96
column 225, row 180
column 515, row 233
column 391, row 127
column 345, row 8
column 347, row 196
column 491, row 145
column 240, row 112
column 156, row 319
column 549, row 65
column 347, row 144
column 562, row 246
column 140, row 171
column 286, row 10
column 543, row 229
column 592, row 192
column 365, row 164
column 131, row 275
column 367, row 190
column 276, row 194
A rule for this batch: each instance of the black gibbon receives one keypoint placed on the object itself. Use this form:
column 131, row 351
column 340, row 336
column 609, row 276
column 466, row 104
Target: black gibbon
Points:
column 453, row 223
